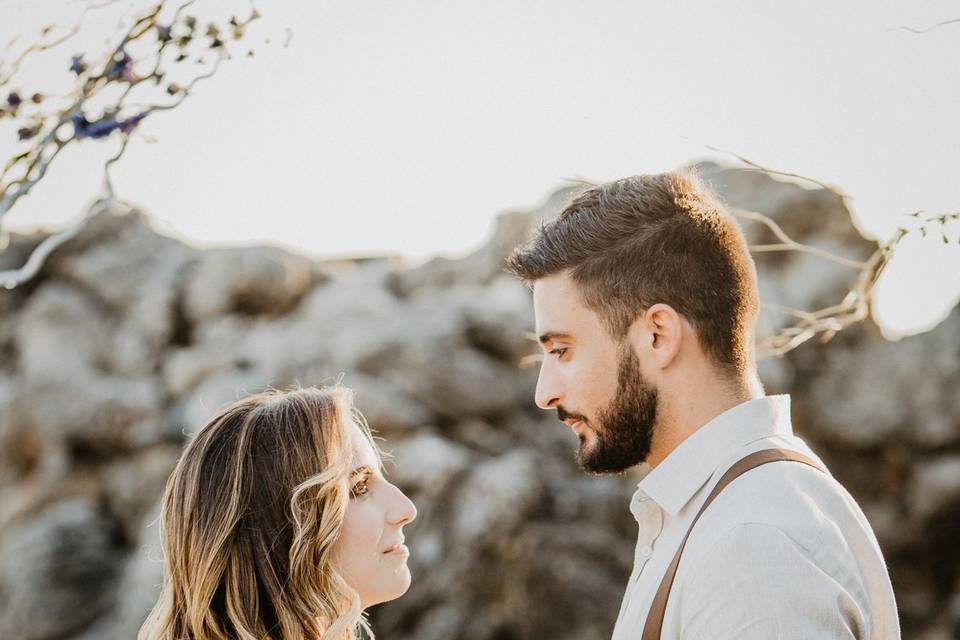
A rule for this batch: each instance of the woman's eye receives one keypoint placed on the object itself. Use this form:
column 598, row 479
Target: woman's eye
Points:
column 559, row 351
column 360, row 489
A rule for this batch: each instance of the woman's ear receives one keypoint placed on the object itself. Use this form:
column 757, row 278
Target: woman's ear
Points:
column 657, row 334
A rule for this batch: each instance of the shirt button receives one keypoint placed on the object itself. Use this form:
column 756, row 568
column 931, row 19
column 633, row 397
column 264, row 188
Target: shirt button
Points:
column 646, row 552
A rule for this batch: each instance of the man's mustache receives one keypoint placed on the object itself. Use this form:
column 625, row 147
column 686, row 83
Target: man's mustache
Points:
column 563, row 415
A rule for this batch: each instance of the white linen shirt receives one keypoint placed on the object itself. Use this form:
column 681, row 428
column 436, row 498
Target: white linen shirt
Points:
column 783, row 552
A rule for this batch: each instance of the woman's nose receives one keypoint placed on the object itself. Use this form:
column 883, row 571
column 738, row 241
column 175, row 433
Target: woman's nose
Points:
column 402, row 510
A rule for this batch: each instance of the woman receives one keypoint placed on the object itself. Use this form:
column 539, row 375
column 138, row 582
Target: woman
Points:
column 278, row 524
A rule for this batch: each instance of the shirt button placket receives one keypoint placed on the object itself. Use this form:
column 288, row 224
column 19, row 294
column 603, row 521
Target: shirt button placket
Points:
column 650, row 521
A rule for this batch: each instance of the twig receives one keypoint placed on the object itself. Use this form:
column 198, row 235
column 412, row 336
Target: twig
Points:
column 787, row 244
column 823, row 185
column 118, row 67
column 12, row 278
column 942, row 23
column 44, row 46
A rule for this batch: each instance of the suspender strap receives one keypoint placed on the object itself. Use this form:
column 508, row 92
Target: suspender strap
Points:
column 654, row 623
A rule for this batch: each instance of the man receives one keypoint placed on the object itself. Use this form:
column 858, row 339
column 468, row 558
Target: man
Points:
column 645, row 297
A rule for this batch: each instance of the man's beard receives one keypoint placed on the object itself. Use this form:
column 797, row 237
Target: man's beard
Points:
column 624, row 428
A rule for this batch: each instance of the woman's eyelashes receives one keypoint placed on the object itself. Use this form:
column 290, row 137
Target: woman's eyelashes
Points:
column 361, row 484
column 559, row 351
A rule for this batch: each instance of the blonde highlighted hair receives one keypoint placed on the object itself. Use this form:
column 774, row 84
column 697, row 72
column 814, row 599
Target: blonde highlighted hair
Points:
column 250, row 516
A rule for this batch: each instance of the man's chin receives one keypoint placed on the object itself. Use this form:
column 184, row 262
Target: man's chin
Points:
column 596, row 463
column 588, row 461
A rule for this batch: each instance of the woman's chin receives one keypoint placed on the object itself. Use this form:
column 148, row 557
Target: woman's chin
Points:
column 404, row 579
column 397, row 584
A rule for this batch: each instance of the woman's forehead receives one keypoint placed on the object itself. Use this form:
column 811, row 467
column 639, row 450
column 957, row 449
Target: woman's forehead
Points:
column 363, row 453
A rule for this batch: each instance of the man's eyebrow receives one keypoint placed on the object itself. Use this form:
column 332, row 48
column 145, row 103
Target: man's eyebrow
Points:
column 553, row 335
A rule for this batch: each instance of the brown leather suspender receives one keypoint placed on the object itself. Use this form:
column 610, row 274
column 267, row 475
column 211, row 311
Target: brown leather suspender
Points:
column 654, row 623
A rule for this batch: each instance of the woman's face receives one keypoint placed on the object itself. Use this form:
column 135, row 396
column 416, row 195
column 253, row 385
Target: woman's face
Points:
column 369, row 552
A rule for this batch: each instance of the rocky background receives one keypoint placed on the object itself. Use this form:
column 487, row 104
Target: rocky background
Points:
column 129, row 340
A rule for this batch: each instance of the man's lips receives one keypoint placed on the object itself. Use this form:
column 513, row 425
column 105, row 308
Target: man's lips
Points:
column 574, row 423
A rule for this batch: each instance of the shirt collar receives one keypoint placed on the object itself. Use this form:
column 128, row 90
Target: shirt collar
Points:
column 673, row 482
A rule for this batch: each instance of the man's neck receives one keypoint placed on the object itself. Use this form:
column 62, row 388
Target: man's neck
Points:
column 680, row 416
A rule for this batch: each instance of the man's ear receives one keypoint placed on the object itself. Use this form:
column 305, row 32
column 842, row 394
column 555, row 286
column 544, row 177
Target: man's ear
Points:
column 657, row 334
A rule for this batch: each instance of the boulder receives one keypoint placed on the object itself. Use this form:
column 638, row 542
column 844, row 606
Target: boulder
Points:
column 56, row 571
column 249, row 280
column 135, row 275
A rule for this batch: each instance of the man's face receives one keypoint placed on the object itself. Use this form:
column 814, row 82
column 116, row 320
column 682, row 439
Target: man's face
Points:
column 593, row 382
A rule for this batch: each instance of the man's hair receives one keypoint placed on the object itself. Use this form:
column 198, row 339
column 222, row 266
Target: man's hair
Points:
column 652, row 239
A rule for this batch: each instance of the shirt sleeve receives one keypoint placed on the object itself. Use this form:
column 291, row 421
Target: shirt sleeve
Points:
column 756, row 583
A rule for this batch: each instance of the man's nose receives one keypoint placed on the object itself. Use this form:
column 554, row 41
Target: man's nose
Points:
column 549, row 392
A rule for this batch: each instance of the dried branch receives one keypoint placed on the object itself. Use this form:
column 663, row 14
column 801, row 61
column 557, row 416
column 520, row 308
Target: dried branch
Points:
column 786, row 174
column 855, row 306
column 942, row 23
column 786, row 244
column 51, row 133
column 12, row 278
column 44, row 46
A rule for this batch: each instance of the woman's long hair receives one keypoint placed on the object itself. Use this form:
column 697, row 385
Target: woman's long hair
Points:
column 250, row 515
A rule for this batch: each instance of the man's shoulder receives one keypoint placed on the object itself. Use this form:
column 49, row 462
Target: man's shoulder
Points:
column 783, row 502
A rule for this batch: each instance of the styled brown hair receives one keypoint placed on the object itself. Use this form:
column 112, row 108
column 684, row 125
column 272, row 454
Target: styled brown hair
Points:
column 250, row 515
column 652, row 239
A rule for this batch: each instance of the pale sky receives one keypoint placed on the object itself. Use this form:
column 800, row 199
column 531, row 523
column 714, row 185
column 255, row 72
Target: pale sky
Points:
column 405, row 127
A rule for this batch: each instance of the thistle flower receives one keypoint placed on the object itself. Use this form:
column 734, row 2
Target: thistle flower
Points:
column 120, row 66
column 103, row 127
column 77, row 65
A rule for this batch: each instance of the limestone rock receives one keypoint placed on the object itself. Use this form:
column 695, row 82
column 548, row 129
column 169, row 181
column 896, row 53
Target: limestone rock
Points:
column 56, row 569
column 251, row 280
column 867, row 390
column 135, row 275
column 496, row 498
column 127, row 342
column 61, row 332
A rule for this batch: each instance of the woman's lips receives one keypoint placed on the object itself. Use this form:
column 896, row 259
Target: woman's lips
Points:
column 397, row 549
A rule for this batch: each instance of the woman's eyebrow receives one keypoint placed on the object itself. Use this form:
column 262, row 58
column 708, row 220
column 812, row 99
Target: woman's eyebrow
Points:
column 365, row 470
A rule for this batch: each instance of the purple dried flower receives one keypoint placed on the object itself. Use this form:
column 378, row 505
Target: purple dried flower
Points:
column 120, row 65
column 14, row 99
column 130, row 124
column 77, row 65
column 25, row 133
column 103, row 127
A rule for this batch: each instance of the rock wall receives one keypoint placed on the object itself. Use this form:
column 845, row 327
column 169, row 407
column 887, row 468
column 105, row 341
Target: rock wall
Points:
column 129, row 340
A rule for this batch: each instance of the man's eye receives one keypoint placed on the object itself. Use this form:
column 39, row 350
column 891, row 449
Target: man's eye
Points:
column 360, row 489
column 559, row 351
